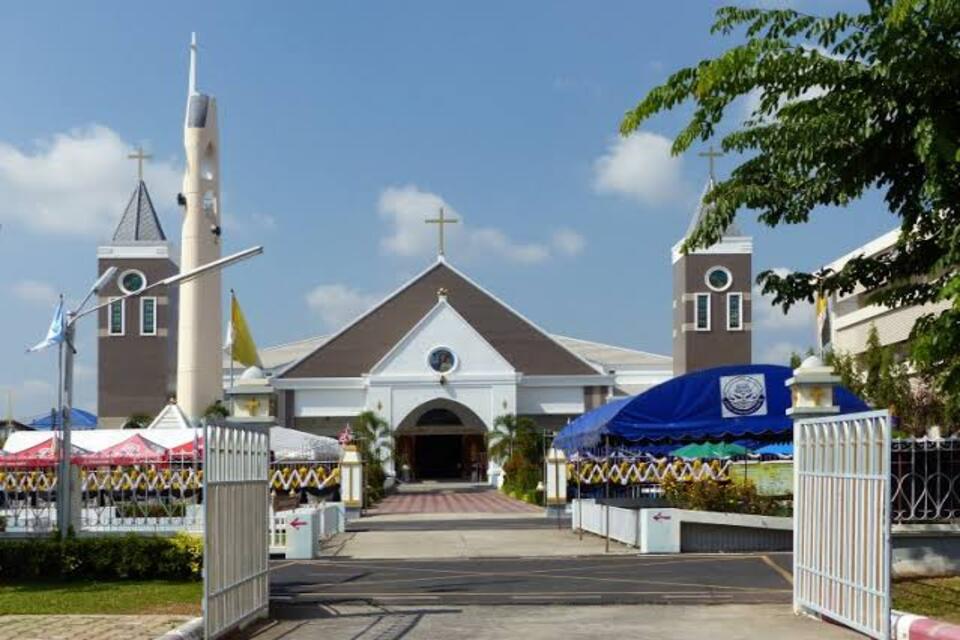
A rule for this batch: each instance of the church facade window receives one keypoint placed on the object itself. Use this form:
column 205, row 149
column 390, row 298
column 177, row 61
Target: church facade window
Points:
column 442, row 360
column 718, row 278
column 702, row 310
column 735, row 311
column 116, row 318
column 132, row 281
column 148, row 316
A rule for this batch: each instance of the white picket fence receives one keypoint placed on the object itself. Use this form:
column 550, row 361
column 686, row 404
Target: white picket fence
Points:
column 841, row 545
column 235, row 551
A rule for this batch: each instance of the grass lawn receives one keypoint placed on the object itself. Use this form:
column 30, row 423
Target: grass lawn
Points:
column 934, row 597
column 90, row 596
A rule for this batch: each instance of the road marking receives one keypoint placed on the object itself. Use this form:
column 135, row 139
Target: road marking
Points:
column 786, row 575
column 700, row 596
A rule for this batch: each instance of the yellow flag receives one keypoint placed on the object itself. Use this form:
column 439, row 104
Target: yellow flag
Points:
column 240, row 343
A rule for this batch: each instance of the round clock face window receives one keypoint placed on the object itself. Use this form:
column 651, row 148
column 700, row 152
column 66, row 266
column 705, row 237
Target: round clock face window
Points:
column 442, row 360
column 719, row 278
column 132, row 281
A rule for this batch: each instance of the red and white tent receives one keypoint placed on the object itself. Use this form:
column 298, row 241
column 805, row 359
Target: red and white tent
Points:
column 42, row 454
column 134, row 450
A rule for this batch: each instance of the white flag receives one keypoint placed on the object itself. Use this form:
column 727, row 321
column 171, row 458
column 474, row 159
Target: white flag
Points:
column 56, row 331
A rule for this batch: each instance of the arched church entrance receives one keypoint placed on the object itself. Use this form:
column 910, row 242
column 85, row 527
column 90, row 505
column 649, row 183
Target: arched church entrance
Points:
column 442, row 440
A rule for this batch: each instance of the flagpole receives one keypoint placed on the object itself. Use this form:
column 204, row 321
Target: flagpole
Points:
column 230, row 337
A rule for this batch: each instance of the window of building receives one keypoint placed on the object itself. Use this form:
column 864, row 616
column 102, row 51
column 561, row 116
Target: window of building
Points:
column 442, row 360
column 735, row 311
column 718, row 278
column 148, row 316
column 115, row 318
column 702, row 320
column 132, row 281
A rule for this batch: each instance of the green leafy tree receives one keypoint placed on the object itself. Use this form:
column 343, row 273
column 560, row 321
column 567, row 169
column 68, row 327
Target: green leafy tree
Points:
column 216, row 410
column 845, row 104
column 376, row 444
column 510, row 434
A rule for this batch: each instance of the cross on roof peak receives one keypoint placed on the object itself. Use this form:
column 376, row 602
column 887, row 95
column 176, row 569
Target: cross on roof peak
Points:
column 441, row 221
column 140, row 156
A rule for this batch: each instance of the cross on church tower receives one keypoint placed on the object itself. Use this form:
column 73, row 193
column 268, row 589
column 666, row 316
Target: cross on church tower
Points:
column 440, row 222
column 711, row 154
column 140, row 156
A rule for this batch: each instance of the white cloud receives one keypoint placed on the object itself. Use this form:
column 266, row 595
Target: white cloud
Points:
column 76, row 183
column 406, row 208
column 35, row 292
column 641, row 168
column 568, row 242
column 338, row 304
column 768, row 316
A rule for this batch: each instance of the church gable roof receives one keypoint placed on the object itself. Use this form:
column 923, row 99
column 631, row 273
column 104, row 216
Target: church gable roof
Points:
column 359, row 347
column 139, row 222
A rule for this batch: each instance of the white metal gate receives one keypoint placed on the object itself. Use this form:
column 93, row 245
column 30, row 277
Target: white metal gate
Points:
column 841, row 545
column 236, row 462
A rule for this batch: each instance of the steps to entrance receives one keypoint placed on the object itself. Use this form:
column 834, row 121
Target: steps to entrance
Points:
column 450, row 498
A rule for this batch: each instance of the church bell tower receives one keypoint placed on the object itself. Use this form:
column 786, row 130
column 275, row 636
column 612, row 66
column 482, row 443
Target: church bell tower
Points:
column 711, row 298
column 199, row 359
column 136, row 338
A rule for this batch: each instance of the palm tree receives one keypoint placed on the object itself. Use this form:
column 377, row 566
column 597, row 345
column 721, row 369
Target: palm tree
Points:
column 375, row 435
column 505, row 437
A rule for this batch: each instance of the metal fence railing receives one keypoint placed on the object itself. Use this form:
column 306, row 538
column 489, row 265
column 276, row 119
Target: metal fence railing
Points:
column 147, row 498
column 926, row 480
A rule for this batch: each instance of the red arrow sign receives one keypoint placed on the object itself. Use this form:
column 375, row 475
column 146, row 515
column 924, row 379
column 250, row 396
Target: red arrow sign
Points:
column 296, row 523
column 659, row 516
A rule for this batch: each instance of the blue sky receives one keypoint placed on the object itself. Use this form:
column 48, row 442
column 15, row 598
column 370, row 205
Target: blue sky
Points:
column 343, row 125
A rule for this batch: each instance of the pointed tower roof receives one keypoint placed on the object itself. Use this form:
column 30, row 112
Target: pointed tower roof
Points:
column 703, row 209
column 139, row 222
column 733, row 240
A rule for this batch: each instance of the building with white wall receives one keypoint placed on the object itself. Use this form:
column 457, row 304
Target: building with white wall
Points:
column 851, row 315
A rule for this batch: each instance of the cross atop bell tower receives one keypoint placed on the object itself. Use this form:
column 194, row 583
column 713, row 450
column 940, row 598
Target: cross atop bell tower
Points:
column 140, row 156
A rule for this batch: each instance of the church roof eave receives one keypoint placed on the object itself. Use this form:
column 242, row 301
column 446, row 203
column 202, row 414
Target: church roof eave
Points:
column 574, row 362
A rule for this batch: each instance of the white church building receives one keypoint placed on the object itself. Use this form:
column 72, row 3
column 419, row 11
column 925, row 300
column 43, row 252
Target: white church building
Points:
column 439, row 360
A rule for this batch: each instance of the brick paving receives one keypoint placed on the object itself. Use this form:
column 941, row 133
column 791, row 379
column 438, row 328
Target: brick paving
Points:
column 114, row 627
column 452, row 501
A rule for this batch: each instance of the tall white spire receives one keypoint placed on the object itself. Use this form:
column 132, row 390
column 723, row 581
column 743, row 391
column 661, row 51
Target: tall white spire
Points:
column 193, row 64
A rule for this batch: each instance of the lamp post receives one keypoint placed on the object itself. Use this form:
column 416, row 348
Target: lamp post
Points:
column 63, row 477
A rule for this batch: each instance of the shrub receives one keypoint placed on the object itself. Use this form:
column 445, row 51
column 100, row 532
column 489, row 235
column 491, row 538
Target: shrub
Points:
column 727, row 497
column 103, row 558
column 151, row 510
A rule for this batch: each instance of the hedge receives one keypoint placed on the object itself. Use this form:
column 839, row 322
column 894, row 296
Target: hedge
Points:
column 177, row 557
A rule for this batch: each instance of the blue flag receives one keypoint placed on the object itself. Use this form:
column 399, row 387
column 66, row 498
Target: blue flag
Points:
column 56, row 332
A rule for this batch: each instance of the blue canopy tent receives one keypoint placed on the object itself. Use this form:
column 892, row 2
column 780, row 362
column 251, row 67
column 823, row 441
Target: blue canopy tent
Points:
column 777, row 450
column 79, row 419
column 734, row 403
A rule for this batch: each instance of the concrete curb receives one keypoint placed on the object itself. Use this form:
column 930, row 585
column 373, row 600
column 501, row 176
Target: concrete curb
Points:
column 189, row 630
column 906, row 626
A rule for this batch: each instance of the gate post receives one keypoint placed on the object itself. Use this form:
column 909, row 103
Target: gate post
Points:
column 351, row 481
column 556, row 482
column 811, row 390
column 811, row 396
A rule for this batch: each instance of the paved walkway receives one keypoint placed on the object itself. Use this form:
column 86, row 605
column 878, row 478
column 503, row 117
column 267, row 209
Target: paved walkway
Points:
column 87, row 627
column 727, row 622
column 450, row 498
column 687, row 579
